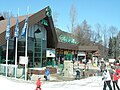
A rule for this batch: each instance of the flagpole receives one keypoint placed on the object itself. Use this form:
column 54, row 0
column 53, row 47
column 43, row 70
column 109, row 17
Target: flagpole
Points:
column 26, row 56
column 26, row 46
column 26, row 34
column 16, row 49
column 26, row 42
column 16, row 58
column 7, row 57
column 7, row 37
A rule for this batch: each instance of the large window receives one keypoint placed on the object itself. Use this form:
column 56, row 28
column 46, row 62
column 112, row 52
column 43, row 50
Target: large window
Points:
column 37, row 45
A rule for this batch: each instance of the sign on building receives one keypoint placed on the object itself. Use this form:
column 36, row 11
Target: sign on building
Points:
column 111, row 60
column 23, row 60
column 50, row 53
column 81, row 54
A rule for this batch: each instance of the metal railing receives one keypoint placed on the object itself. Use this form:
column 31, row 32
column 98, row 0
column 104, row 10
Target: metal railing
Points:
column 10, row 68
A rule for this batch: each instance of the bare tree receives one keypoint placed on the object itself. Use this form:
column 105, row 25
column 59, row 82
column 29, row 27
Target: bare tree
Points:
column 98, row 33
column 99, row 40
column 83, row 33
column 55, row 18
column 6, row 14
column 73, row 14
column 79, row 35
column 112, row 30
column 105, row 42
column 93, row 37
column 68, row 28
column 86, row 31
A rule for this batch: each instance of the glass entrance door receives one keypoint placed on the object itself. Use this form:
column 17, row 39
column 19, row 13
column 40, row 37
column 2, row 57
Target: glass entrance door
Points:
column 37, row 53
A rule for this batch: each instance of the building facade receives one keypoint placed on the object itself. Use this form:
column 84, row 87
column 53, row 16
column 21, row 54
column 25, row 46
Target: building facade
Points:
column 40, row 37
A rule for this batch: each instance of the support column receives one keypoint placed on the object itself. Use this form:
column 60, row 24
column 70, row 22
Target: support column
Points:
column 0, row 55
column 41, row 51
column 0, row 60
column 33, row 60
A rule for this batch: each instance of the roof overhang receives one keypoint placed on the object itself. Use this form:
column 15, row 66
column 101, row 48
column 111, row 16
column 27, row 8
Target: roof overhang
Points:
column 88, row 48
column 67, row 46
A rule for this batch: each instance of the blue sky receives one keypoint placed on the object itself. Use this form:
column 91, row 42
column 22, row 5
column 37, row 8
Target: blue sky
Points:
column 105, row 12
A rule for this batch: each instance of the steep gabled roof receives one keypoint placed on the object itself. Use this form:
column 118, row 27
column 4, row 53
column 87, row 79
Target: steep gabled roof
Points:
column 32, row 19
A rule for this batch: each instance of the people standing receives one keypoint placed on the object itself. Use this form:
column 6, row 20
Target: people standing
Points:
column 47, row 74
column 118, row 70
column 107, row 79
column 84, row 72
column 102, row 66
column 115, row 78
column 77, row 74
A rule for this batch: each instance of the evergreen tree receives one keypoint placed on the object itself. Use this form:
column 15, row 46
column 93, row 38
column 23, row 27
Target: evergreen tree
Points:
column 110, row 49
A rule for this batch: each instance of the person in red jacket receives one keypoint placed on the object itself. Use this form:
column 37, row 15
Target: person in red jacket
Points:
column 115, row 78
column 118, row 71
column 38, row 84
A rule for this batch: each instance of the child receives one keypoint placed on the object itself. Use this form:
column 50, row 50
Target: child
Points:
column 38, row 83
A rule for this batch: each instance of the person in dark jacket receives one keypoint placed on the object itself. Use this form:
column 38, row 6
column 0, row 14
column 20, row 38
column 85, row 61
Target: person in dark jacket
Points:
column 77, row 74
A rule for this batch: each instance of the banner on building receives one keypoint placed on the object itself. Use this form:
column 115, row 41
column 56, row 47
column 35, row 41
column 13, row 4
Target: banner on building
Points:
column 111, row 60
column 16, row 28
column 81, row 54
column 23, row 60
column 8, row 29
column 25, row 27
column 50, row 53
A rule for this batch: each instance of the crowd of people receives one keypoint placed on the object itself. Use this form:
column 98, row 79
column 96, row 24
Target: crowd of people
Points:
column 110, row 76
column 113, row 74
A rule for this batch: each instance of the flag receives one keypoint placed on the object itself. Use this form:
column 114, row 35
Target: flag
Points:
column 8, row 29
column 25, row 27
column 16, row 28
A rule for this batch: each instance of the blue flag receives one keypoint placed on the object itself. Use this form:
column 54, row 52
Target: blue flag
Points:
column 25, row 27
column 16, row 28
column 8, row 29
